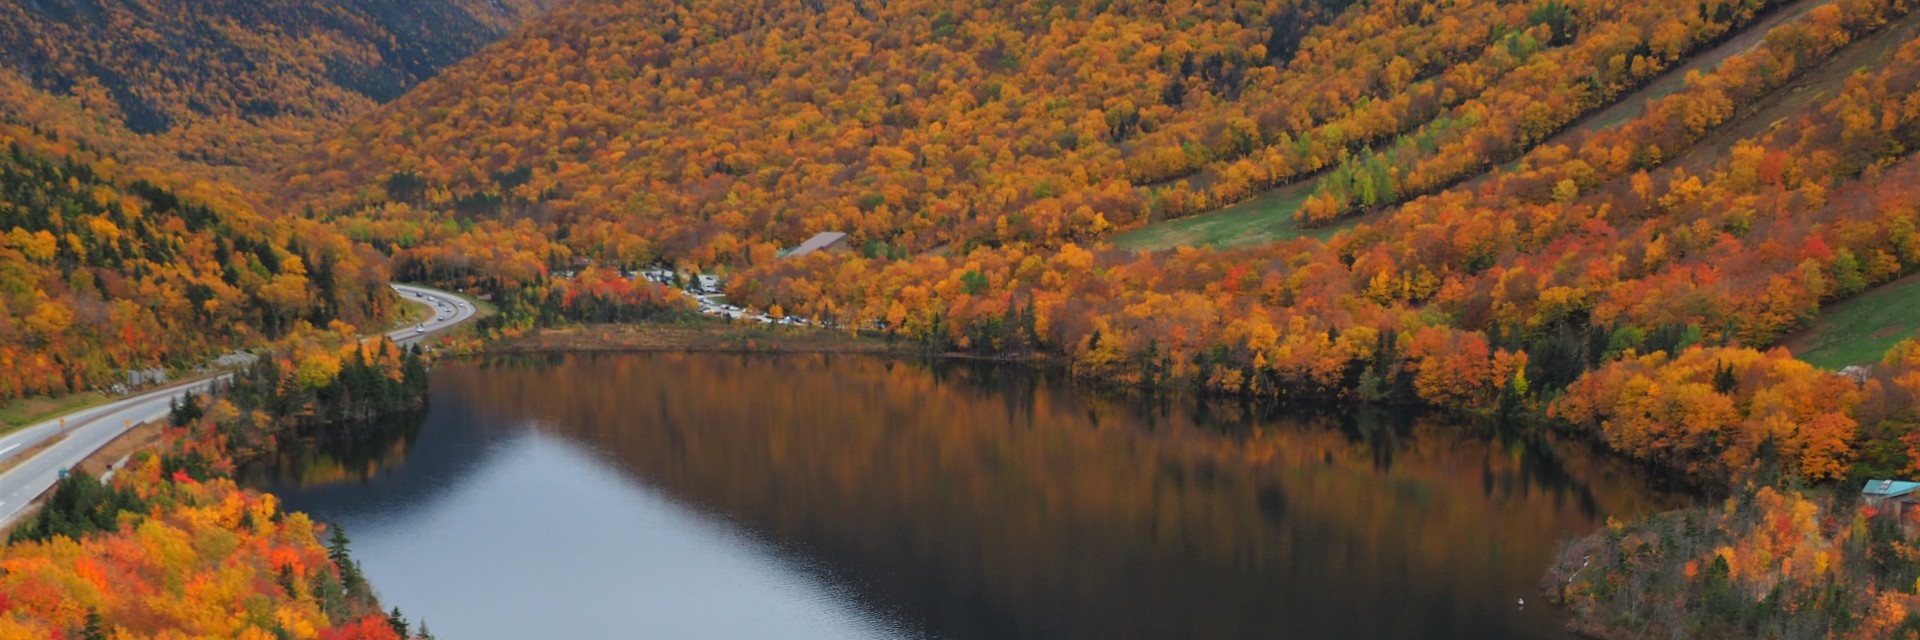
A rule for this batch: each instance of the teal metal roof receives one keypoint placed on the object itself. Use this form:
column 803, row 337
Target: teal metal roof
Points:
column 1889, row 488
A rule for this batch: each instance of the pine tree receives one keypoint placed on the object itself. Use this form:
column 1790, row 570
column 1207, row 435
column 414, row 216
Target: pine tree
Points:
column 185, row 410
column 95, row 629
column 337, row 545
column 398, row 622
column 1723, row 379
column 350, row 578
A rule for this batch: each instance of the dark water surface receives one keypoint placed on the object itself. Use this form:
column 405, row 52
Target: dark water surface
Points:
column 722, row 496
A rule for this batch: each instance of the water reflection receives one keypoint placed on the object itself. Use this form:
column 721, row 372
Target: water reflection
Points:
column 961, row 501
column 351, row 454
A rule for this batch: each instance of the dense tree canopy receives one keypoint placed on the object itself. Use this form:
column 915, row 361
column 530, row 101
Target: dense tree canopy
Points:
column 182, row 552
column 708, row 129
column 1581, row 254
column 102, row 272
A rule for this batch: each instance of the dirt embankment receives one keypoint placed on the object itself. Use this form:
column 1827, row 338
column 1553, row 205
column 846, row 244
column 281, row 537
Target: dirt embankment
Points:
column 143, row 436
column 711, row 338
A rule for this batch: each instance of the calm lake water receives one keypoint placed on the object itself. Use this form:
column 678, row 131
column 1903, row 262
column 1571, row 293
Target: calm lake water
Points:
column 721, row 496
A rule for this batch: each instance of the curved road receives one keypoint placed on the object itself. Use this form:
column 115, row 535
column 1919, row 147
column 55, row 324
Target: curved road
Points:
column 90, row 429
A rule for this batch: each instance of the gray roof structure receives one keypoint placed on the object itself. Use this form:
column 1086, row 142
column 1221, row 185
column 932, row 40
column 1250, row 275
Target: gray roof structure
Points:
column 819, row 241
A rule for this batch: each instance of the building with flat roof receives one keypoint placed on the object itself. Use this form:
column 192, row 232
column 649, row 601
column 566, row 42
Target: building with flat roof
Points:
column 1891, row 496
column 827, row 241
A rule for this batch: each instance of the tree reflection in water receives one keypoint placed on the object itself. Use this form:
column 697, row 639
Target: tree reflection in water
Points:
column 975, row 500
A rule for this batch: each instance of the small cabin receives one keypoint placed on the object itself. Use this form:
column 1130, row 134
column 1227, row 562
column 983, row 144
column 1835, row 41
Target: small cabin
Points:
column 1891, row 496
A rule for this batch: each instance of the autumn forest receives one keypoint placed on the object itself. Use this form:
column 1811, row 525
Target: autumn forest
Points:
column 1626, row 223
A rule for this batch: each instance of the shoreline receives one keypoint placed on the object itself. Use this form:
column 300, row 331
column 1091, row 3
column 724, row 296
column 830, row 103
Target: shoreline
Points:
column 707, row 338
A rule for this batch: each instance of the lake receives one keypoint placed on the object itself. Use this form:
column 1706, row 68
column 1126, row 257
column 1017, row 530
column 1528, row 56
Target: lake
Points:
column 832, row 496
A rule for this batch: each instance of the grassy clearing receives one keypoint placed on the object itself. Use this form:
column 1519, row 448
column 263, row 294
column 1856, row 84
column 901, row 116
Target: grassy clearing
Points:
column 26, row 411
column 481, row 308
column 416, row 311
column 1861, row 329
column 1268, row 218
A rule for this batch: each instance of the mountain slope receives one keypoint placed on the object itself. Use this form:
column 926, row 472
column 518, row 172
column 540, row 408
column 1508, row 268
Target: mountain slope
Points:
column 103, row 271
column 226, row 89
column 717, row 132
column 133, row 138
column 157, row 65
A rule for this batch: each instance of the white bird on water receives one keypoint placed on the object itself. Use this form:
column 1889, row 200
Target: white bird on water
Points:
column 1521, row 601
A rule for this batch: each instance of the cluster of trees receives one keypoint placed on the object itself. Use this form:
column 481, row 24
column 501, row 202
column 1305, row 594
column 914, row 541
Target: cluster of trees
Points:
column 102, row 272
column 312, row 386
column 80, row 505
column 162, row 553
column 485, row 257
column 1724, row 412
column 1765, row 564
column 594, row 295
column 1740, row 413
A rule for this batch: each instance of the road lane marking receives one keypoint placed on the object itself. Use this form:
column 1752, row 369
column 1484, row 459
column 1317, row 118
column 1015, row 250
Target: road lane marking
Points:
column 10, row 447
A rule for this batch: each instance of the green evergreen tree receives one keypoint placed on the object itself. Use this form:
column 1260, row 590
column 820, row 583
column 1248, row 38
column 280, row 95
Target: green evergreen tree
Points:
column 95, row 629
column 1724, row 380
column 398, row 622
column 350, row 579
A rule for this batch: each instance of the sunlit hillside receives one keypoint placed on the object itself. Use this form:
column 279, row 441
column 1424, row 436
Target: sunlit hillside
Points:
column 718, row 131
column 226, row 88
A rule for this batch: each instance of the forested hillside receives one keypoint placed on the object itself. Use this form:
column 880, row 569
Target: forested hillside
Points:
column 160, row 64
column 227, row 88
column 721, row 131
column 103, row 271
column 1508, row 290
column 133, row 138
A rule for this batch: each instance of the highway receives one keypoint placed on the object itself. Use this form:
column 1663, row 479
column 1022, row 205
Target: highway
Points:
column 449, row 311
column 90, row 429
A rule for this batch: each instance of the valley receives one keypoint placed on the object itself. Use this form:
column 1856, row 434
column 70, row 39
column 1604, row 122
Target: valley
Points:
column 1645, row 272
